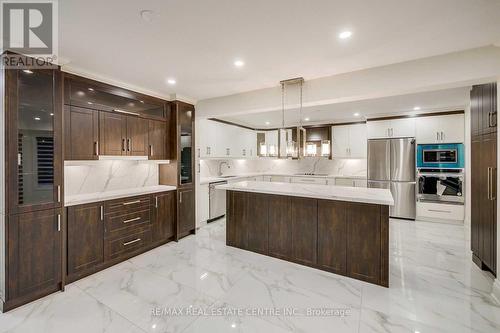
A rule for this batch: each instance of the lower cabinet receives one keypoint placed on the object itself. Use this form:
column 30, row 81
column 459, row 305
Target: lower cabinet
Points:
column 34, row 256
column 346, row 238
column 85, row 238
column 186, row 212
column 104, row 233
column 163, row 216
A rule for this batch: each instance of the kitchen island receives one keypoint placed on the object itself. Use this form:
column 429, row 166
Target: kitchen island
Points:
column 343, row 230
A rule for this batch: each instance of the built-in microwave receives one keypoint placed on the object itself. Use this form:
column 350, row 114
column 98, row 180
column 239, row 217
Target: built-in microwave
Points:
column 440, row 156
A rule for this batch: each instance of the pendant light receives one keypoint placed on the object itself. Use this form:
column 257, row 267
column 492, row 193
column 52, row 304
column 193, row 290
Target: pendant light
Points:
column 289, row 146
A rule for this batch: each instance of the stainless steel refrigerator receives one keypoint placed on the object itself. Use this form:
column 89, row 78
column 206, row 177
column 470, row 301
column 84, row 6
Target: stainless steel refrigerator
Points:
column 391, row 165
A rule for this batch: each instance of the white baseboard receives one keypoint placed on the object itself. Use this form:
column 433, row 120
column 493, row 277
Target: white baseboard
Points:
column 495, row 293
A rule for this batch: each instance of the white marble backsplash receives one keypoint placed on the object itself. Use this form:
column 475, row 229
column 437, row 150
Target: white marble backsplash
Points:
column 344, row 167
column 101, row 176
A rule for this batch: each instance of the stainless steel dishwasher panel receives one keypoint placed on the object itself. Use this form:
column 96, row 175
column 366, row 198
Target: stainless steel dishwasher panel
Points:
column 217, row 202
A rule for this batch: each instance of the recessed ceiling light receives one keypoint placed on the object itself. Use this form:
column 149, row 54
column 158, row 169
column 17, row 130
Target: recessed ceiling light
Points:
column 171, row 81
column 268, row 123
column 147, row 15
column 27, row 71
column 51, row 114
column 239, row 63
column 80, row 93
column 233, row 325
column 142, row 102
column 416, row 108
column 356, row 114
column 91, row 89
column 306, row 119
column 345, row 34
column 37, row 118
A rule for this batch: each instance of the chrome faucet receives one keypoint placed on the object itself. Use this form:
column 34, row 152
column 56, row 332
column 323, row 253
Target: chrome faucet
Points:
column 220, row 167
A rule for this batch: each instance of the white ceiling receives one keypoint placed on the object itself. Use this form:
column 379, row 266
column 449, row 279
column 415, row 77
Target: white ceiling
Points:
column 196, row 42
column 434, row 101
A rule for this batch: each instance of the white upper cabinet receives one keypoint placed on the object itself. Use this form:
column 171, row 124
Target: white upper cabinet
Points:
column 349, row 141
column 394, row 128
column 441, row 129
column 219, row 140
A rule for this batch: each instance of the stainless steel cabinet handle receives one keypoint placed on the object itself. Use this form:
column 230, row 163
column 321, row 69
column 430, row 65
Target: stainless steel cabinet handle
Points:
column 131, row 202
column 96, row 148
column 227, row 151
column 180, row 196
column 439, row 211
column 132, row 220
column 131, row 242
column 152, row 152
column 491, row 122
column 129, row 144
column 489, row 184
column 102, row 213
column 437, row 136
column 58, row 193
column 442, row 136
column 493, row 183
column 58, row 222
column 156, row 202
column 123, row 144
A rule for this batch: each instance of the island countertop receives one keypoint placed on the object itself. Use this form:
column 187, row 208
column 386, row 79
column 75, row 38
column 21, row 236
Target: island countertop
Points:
column 328, row 192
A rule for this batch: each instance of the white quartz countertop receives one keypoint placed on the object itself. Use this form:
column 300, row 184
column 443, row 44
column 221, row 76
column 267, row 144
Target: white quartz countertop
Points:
column 207, row 180
column 329, row 192
column 79, row 199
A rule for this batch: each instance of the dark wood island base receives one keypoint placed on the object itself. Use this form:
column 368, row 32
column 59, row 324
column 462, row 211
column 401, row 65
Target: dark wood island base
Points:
column 342, row 237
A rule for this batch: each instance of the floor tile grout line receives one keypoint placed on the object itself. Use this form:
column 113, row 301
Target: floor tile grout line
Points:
column 111, row 309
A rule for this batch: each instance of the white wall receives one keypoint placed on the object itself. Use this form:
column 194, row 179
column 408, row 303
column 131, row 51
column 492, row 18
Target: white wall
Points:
column 452, row 70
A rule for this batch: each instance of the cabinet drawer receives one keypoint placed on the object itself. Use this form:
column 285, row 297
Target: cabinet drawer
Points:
column 308, row 180
column 438, row 211
column 116, row 222
column 122, row 245
column 127, row 205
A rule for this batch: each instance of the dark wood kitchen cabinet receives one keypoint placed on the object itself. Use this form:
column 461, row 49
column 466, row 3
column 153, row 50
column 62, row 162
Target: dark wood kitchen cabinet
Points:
column 484, row 176
column 350, row 239
column 332, row 243
column 163, row 216
column 137, row 136
column 123, row 135
column 186, row 223
column 34, row 255
column 112, row 133
column 304, row 224
column 34, row 143
column 279, row 226
column 81, row 128
column 157, row 140
column 85, row 239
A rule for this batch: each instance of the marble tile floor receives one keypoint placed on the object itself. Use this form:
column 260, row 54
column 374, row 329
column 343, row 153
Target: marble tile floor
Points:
column 201, row 285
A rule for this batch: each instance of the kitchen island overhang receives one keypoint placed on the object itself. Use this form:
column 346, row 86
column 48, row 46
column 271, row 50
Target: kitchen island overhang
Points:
column 343, row 230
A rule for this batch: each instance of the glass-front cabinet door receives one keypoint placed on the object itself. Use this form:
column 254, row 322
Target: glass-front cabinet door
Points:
column 34, row 106
column 186, row 121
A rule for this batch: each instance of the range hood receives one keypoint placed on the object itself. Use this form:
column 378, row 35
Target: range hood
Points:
column 291, row 140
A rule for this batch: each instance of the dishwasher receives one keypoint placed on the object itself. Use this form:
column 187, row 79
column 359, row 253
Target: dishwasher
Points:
column 217, row 201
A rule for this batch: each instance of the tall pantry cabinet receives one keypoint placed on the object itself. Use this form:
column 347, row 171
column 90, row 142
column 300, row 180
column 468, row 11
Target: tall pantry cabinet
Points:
column 484, row 175
column 34, row 185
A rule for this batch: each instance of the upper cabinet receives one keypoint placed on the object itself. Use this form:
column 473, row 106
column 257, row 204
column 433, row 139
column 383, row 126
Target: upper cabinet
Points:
column 34, row 131
column 185, row 125
column 219, row 140
column 349, row 141
column 441, row 129
column 106, row 120
column 393, row 128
